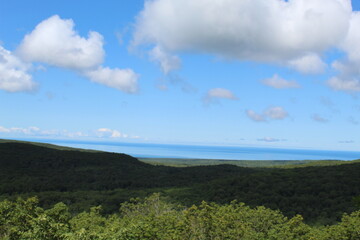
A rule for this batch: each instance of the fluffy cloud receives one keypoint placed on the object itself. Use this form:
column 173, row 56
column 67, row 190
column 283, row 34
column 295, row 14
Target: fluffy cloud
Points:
column 308, row 64
column 277, row 82
column 346, row 84
column 14, row 76
column 348, row 79
column 291, row 32
column 54, row 41
column 219, row 93
column 272, row 113
column 121, row 79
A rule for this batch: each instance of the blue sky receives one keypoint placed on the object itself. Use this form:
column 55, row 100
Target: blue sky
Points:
column 246, row 73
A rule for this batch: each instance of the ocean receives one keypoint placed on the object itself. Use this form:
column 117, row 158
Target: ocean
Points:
column 144, row 150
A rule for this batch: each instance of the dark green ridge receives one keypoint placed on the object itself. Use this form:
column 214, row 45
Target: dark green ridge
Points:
column 82, row 179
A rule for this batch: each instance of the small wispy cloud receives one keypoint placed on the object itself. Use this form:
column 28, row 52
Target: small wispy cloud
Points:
column 270, row 139
column 38, row 132
column 347, row 141
column 316, row 117
column 109, row 133
column 352, row 120
column 175, row 80
column 166, row 61
column 255, row 116
column 272, row 113
column 213, row 95
column 277, row 82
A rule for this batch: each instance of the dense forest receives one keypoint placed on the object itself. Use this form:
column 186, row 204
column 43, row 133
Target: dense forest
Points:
column 153, row 218
column 84, row 179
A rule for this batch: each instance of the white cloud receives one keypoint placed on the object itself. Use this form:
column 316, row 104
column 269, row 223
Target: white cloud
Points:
column 255, row 116
column 167, row 62
column 318, row 118
column 24, row 131
column 277, row 82
column 308, row 64
column 4, row 130
column 344, row 84
column 38, row 132
column 272, row 113
column 14, row 76
column 28, row 131
column 121, row 79
column 277, row 113
column 106, row 132
column 219, row 93
column 348, row 79
column 54, row 41
column 284, row 32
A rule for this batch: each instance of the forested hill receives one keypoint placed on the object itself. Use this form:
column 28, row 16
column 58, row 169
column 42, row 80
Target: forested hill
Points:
column 26, row 167
column 83, row 178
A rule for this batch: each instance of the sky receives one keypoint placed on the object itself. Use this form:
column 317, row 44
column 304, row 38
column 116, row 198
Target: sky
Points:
column 261, row 73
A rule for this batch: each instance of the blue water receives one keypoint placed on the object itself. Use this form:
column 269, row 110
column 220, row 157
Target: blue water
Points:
column 210, row 152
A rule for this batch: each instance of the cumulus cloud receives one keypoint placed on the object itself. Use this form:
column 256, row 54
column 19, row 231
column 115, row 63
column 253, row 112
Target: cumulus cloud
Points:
column 292, row 33
column 318, row 118
column 348, row 79
column 14, row 76
column 272, row 113
column 347, row 141
column 54, row 41
column 347, row 84
column 219, row 93
column 308, row 64
column 277, row 82
column 121, row 79
column 166, row 61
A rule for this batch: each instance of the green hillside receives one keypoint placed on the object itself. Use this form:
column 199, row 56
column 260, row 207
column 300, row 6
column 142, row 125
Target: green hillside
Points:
column 321, row 194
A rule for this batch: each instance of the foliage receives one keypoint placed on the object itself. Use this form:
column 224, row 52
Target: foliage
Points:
column 154, row 218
